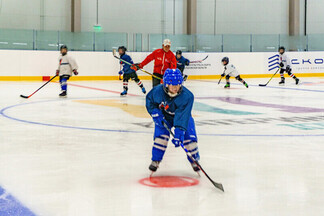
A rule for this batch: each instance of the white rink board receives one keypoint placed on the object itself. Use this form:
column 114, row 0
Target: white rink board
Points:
column 44, row 63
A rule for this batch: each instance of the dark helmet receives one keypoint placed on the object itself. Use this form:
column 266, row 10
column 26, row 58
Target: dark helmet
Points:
column 226, row 59
column 179, row 52
column 63, row 47
column 122, row 48
column 282, row 48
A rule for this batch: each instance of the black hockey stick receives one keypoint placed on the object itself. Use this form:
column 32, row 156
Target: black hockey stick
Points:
column 217, row 185
column 221, row 78
column 199, row 61
column 126, row 62
column 263, row 85
column 23, row 96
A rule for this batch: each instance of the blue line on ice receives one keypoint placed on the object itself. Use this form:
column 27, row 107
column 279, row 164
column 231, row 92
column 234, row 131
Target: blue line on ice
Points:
column 3, row 113
column 9, row 205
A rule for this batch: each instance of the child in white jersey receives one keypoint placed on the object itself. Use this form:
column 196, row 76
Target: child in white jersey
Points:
column 230, row 71
column 66, row 66
column 284, row 63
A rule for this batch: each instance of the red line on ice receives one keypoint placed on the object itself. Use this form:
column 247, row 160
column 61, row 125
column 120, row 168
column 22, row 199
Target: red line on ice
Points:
column 98, row 89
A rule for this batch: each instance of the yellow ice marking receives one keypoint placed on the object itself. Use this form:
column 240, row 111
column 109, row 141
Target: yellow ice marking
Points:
column 138, row 111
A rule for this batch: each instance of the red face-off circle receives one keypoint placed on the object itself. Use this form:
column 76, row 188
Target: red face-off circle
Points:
column 169, row 181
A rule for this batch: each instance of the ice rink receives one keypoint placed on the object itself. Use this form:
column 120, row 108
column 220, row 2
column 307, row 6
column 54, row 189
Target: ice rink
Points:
column 85, row 155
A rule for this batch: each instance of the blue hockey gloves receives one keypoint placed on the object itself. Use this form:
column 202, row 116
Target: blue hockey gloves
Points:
column 158, row 117
column 178, row 137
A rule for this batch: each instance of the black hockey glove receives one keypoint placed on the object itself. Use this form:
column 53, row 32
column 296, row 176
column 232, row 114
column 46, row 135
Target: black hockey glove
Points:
column 223, row 74
column 281, row 64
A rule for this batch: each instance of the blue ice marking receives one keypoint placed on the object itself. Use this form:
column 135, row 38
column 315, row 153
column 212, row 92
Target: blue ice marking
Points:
column 10, row 206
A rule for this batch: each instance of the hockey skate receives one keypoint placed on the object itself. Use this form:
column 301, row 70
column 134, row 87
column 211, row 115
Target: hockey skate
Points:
column 227, row 85
column 124, row 93
column 282, row 82
column 154, row 166
column 143, row 90
column 63, row 94
column 297, row 81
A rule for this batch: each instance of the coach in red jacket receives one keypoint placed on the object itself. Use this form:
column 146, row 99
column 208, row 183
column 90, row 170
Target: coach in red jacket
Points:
column 163, row 59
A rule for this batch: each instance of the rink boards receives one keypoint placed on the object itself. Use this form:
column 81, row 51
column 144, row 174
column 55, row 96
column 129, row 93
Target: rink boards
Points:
column 25, row 65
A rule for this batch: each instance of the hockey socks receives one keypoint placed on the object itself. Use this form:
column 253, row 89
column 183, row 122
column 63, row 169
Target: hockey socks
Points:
column 140, row 84
column 63, row 82
column 125, row 86
column 244, row 83
column 292, row 76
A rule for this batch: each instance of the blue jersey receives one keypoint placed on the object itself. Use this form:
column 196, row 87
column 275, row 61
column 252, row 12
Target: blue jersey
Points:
column 182, row 62
column 176, row 110
column 126, row 67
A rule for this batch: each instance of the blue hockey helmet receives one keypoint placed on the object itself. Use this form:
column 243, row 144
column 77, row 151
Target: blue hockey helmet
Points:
column 172, row 77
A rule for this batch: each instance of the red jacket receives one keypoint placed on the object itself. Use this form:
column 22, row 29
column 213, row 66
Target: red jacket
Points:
column 162, row 61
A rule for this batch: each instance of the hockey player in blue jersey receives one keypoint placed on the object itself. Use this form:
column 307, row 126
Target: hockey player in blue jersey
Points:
column 172, row 103
column 182, row 62
column 127, row 72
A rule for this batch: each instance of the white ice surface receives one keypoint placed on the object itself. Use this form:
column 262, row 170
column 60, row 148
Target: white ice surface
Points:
column 267, row 168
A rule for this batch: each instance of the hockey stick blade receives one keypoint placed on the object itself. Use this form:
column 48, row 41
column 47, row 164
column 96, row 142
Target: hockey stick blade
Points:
column 205, row 58
column 23, row 96
column 217, row 185
column 263, row 85
column 114, row 52
column 199, row 61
